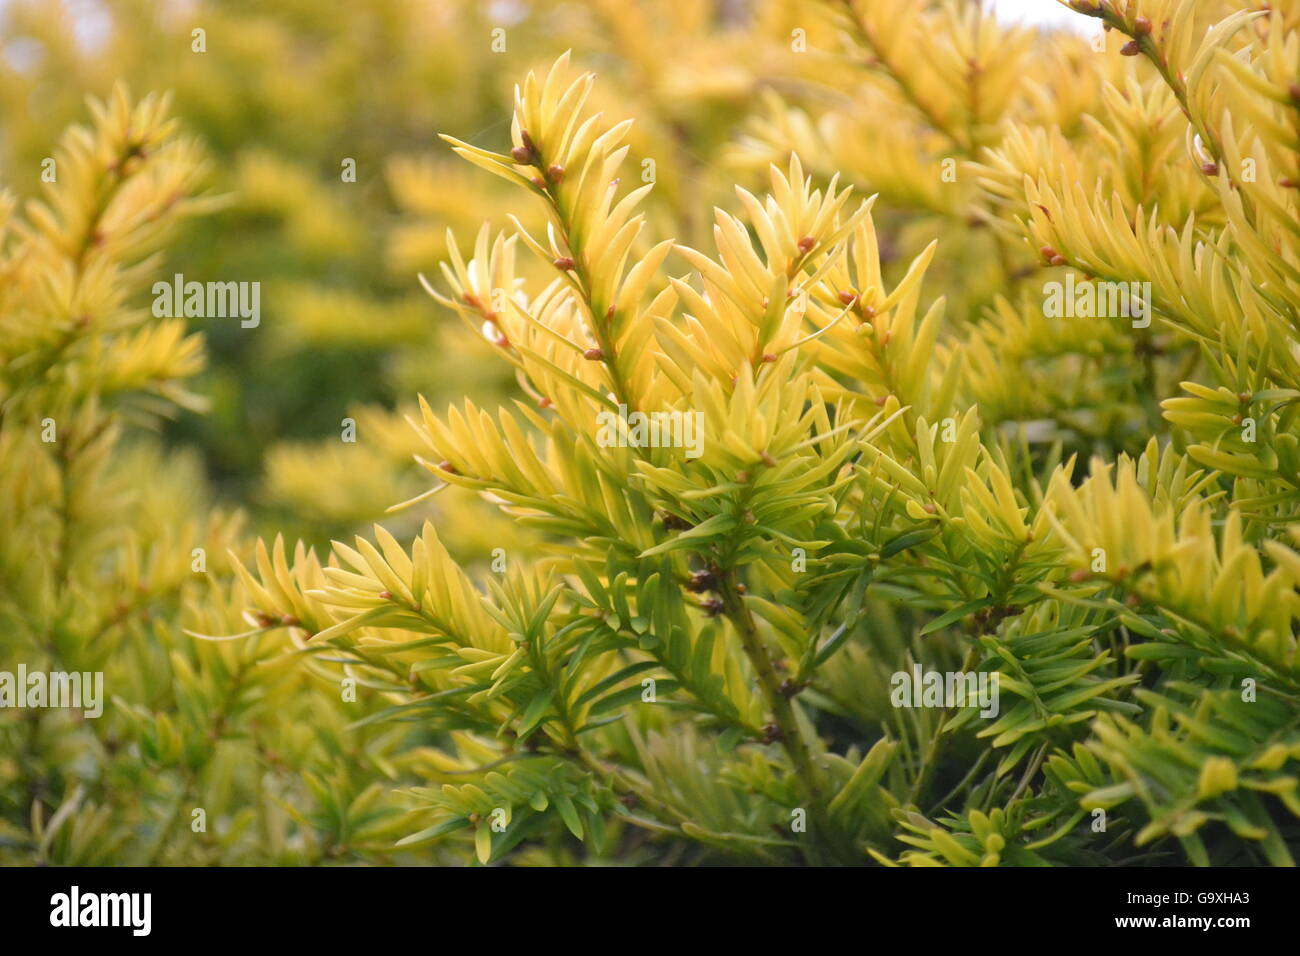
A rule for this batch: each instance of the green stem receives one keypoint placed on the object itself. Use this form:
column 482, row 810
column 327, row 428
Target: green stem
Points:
column 791, row 737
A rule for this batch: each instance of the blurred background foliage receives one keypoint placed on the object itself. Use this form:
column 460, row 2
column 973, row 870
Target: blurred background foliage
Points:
column 286, row 91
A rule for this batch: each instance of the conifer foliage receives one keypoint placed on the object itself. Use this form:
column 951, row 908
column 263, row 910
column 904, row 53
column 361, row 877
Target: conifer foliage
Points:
column 983, row 379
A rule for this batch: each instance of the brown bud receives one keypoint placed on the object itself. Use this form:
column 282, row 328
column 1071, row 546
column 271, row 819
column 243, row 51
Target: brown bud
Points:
column 1210, row 169
column 848, row 298
column 1142, row 26
column 807, row 244
column 543, row 402
column 447, row 467
column 386, row 595
column 564, row 264
column 593, row 355
column 769, row 357
column 556, row 172
column 1131, row 48
column 522, row 156
column 1058, row 260
column 713, row 607
column 701, row 581
column 1079, row 574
